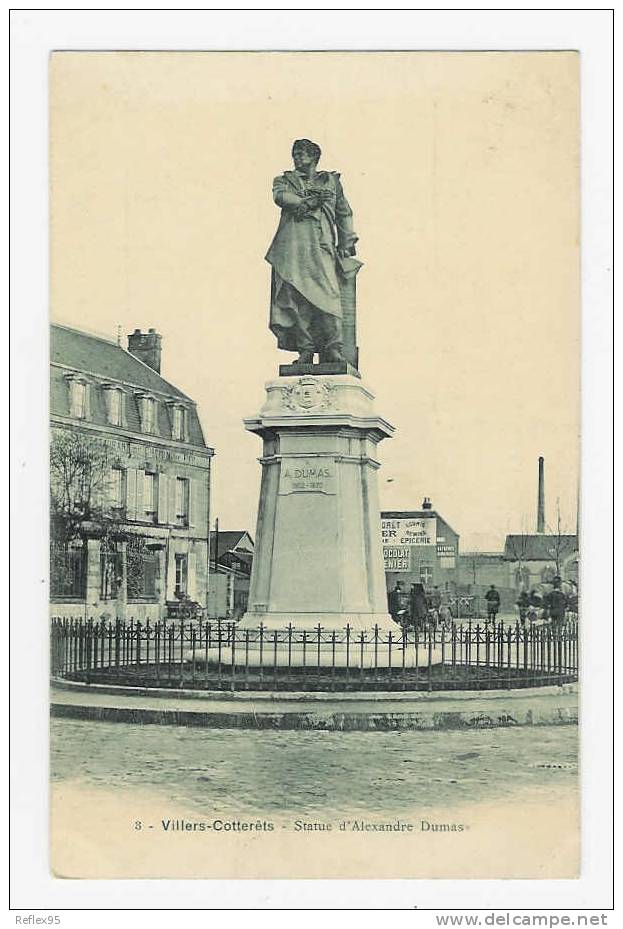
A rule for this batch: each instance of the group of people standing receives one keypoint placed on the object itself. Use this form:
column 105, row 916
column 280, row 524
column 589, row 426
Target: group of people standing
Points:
column 554, row 605
column 416, row 609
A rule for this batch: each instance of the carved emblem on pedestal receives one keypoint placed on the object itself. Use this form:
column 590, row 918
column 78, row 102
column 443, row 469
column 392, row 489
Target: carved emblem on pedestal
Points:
column 309, row 394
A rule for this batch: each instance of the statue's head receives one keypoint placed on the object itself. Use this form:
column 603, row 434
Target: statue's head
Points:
column 305, row 153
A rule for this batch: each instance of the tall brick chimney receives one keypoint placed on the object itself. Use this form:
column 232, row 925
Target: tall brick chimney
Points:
column 540, row 512
column 147, row 347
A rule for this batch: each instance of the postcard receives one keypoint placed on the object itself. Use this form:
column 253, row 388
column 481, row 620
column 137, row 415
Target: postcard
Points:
column 314, row 465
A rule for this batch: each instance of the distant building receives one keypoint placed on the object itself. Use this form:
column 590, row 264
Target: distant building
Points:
column 148, row 547
column 419, row 546
column 537, row 559
column 481, row 569
column 231, row 561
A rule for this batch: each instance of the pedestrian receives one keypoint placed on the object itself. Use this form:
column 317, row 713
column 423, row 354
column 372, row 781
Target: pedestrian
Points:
column 445, row 617
column 419, row 606
column 555, row 603
column 492, row 597
column 435, row 605
column 523, row 604
column 535, row 603
column 396, row 601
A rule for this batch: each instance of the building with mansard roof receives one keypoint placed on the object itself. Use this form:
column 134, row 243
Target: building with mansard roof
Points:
column 156, row 491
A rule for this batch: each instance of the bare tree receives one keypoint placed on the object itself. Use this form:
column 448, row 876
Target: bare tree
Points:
column 562, row 544
column 80, row 475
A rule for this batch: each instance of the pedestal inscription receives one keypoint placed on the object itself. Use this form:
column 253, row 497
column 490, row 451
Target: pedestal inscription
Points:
column 307, row 475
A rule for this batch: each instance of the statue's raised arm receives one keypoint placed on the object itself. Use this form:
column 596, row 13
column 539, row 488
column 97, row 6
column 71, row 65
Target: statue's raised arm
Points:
column 312, row 306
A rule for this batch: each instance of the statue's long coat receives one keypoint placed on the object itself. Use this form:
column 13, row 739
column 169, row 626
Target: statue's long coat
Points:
column 303, row 253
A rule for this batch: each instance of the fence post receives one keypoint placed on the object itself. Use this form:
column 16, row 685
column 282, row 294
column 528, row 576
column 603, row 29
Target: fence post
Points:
column 246, row 659
column 405, row 642
column 157, row 649
column 347, row 654
column 275, row 636
column 233, row 658
column 81, row 645
column 147, row 641
column 117, row 642
column 170, row 651
column 193, row 645
column 181, row 634
column 208, row 634
column 220, row 654
column 318, row 646
column 430, row 663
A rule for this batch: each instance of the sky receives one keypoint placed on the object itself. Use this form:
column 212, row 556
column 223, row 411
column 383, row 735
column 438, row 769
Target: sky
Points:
column 462, row 170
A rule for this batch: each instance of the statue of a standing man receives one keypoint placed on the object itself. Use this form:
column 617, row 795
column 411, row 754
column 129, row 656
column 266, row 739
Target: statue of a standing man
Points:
column 313, row 247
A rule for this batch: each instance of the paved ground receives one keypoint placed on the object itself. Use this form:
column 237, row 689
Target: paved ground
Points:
column 257, row 773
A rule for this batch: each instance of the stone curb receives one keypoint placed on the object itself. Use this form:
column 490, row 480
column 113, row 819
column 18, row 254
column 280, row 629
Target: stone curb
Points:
column 242, row 696
column 329, row 722
column 366, row 715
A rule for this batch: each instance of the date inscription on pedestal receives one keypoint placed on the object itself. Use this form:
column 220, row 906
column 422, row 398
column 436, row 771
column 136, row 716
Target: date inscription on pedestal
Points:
column 307, row 475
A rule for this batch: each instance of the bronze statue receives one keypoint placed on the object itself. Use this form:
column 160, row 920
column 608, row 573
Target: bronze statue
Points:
column 313, row 266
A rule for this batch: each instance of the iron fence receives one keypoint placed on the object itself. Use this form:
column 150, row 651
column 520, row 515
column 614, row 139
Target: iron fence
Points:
column 219, row 656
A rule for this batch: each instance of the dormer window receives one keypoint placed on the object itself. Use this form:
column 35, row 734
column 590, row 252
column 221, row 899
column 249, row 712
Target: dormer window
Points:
column 114, row 405
column 148, row 414
column 179, row 423
column 78, row 398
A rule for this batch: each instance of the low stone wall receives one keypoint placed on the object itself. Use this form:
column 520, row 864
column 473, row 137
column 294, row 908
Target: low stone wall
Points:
column 351, row 713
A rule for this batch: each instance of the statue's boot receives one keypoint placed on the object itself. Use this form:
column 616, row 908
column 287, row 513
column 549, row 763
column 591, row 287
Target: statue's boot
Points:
column 333, row 355
column 331, row 336
column 305, row 358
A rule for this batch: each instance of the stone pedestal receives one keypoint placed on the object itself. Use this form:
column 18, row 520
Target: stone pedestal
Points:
column 318, row 556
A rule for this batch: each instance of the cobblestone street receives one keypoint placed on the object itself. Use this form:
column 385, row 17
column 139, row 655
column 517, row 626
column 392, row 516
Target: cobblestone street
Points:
column 311, row 772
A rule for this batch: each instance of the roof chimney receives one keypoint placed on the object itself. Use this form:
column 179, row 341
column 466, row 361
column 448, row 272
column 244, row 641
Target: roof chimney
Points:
column 540, row 513
column 147, row 347
column 426, row 504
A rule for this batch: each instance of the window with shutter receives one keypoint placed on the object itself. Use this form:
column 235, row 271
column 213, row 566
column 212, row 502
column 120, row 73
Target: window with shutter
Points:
column 192, row 575
column 150, row 496
column 179, row 423
column 163, row 513
column 78, row 399
column 148, row 415
column 117, row 495
column 192, row 503
column 131, row 492
column 172, row 498
column 181, row 501
column 181, row 575
column 113, row 405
